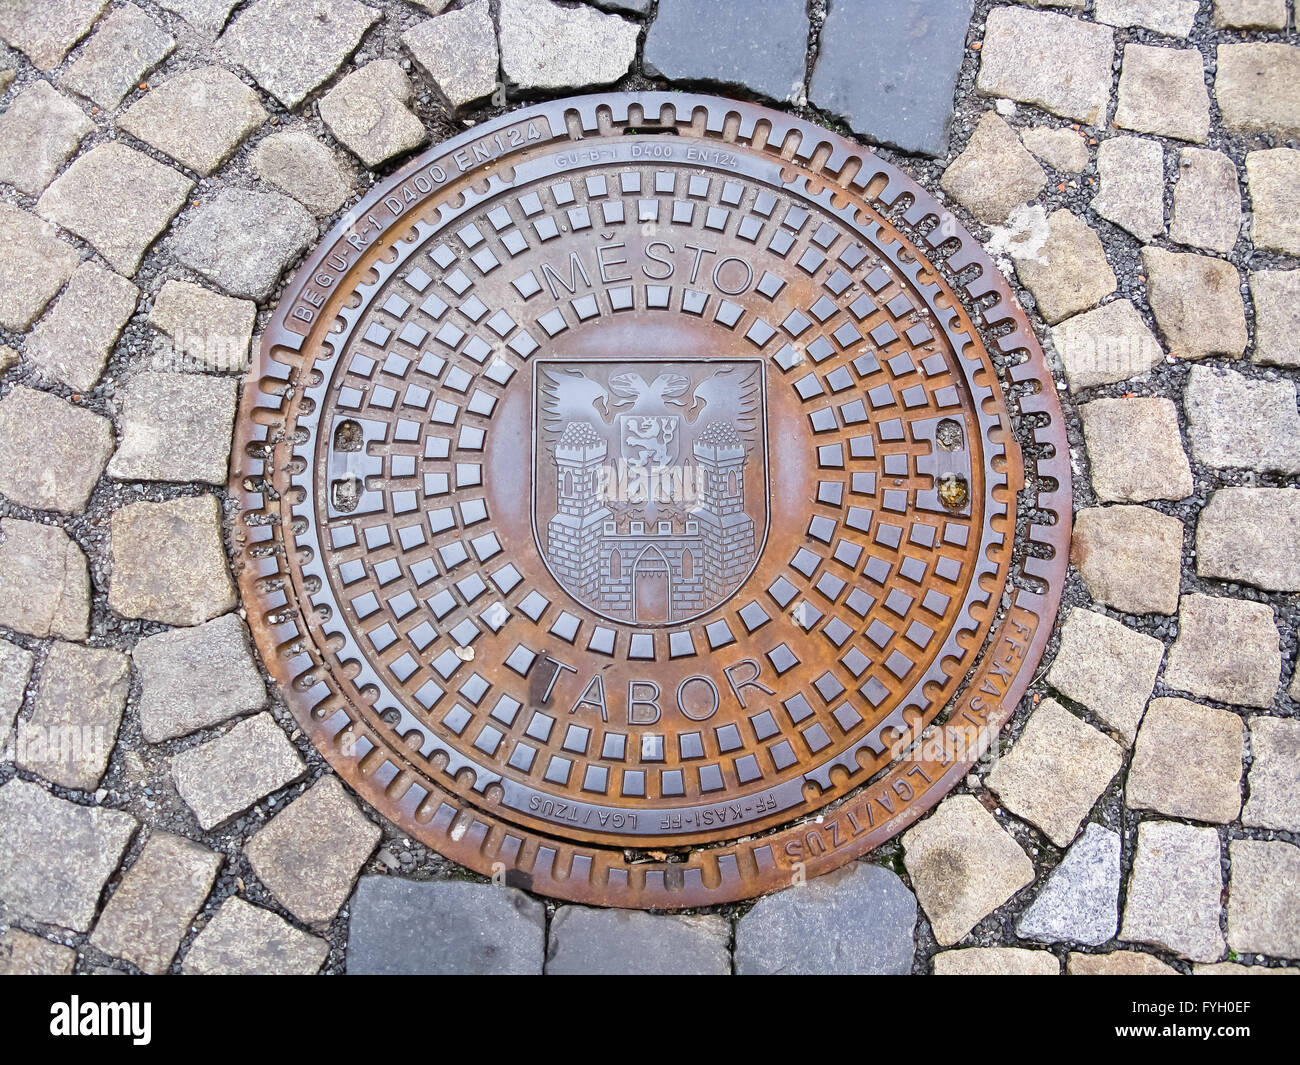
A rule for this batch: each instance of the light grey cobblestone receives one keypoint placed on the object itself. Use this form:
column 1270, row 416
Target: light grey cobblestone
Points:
column 1250, row 14
column 1162, row 91
column 1060, row 148
column 198, row 117
column 1080, row 901
column 1173, row 18
column 1251, row 536
column 292, row 46
column 117, row 199
column 1276, row 296
column 51, row 451
column 545, row 46
column 207, row 16
column 44, row 583
column 1197, row 303
column 1173, row 891
column 995, row 174
column 71, row 344
column 1227, row 650
column 1257, row 87
column 1106, row 667
column 1263, row 904
column 195, row 678
column 220, row 778
column 309, row 854
column 1048, row 59
column 1117, row 963
column 1240, row 422
column 1136, row 450
column 1069, row 273
column 1207, row 201
column 39, row 132
column 76, row 715
column 1105, row 345
column 367, row 113
column 208, row 331
column 1273, row 177
column 996, row 961
column 15, row 670
column 246, row 940
column 458, row 50
column 23, row 954
column 244, row 241
column 168, row 562
column 56, row 855
column 46, row 32
column 963, row 866
column 151, row 910
column 1229, row 968
column 125, row 46
column 1132, row 172
column 1187, row 762
column 1274, row 781
column 33, row 269
column 297, row 163
column 175, row 427
column 1055, row 771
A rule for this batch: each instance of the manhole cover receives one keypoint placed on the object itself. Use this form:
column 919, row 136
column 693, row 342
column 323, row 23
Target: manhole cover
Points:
column 630, row 499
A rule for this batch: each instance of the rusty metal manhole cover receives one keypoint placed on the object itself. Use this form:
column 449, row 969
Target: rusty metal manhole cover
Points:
column 629, row 483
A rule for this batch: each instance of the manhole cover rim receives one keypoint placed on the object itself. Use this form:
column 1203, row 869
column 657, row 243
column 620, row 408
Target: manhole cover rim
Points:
column 473, row 836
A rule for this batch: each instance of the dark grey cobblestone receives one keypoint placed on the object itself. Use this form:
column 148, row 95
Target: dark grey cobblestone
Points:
column 403, row 927
column 888, row 69
column 585, row 941
column 859, row 919
column 762, row 51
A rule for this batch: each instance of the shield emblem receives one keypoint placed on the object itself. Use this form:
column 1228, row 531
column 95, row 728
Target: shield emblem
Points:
column 650, row 499
column 649, row 440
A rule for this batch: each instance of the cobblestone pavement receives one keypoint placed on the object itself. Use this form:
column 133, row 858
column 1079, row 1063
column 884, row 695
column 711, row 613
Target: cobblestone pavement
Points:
column 1135, row 168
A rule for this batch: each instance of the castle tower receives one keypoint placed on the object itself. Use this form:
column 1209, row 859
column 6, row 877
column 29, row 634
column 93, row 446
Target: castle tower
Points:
column 573, row 534
column 728, row 530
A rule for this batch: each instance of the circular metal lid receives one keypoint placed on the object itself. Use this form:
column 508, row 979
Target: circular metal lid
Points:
column 630, row 499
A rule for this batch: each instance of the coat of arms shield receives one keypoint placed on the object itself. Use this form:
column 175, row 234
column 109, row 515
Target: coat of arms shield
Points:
column 649, row 497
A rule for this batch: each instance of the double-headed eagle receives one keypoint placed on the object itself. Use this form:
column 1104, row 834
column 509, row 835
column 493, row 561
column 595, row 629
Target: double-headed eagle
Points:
column 730, row 394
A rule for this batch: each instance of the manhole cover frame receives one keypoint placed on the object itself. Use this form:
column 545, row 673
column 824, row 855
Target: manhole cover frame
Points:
column 819, row 165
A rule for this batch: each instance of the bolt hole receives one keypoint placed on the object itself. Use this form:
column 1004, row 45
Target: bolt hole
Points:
column 949, row 435
column 345, row 494
column 349, row 436
column 954, row 492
